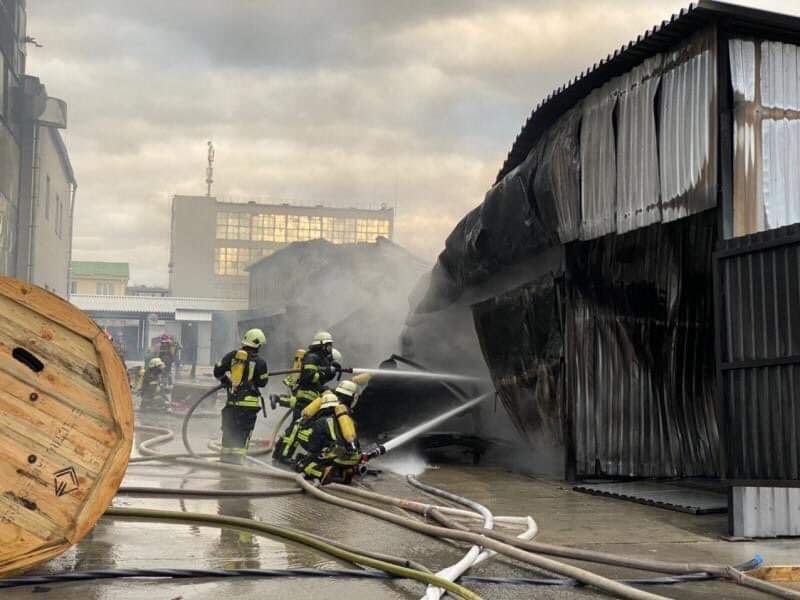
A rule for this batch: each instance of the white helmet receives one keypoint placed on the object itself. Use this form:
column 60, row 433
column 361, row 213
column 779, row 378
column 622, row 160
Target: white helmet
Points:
column 321, row 338
column 336, row 355
column 155, row 363
column 254, row 338
column 348, row 389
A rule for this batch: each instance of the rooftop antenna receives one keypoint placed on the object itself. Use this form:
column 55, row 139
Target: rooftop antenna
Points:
column 210, row 168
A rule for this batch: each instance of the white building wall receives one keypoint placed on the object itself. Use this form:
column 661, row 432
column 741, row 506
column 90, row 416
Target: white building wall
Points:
column 52, row 235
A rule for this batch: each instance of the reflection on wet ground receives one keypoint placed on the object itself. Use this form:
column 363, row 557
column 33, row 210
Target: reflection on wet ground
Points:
column 564, row 517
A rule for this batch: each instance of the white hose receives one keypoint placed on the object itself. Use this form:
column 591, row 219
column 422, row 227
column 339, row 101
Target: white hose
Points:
column 475, row 555
column 454, row 571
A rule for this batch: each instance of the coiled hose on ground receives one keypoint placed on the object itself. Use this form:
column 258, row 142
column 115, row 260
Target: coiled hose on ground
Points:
column 509, row 546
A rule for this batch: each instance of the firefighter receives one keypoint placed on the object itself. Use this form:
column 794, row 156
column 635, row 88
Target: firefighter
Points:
column 244, row 373
column 330, row 441
column 310, row 411
column 151, row 385
column 166, row 352
column 317, row 367
column 290, row 381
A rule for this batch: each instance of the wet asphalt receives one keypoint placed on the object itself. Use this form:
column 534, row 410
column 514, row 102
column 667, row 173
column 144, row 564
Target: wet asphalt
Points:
column 564, row 517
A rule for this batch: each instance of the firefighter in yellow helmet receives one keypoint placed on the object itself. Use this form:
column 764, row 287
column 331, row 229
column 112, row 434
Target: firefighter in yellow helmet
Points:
column 244, row 373
column 151, row 386
column 330, row 441
column 317, row 367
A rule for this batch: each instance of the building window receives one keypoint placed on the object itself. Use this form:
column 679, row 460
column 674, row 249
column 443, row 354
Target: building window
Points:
column 105, row 288
column 47, row 199
column 233, row 226
column 234, row 261
column 268, row 228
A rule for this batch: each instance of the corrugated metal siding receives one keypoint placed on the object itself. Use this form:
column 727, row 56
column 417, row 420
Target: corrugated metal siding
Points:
column 598, row 163
column 661, row 38
column 639, row 352
column 759, row 304
column 766, row 511
column 766, row 82
column 688, row 129
column 634, row 174
column 520, row 337
column 557, row 181
column 638, row 202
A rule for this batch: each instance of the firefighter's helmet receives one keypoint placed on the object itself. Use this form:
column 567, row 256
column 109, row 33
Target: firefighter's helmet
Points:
column 321, row 338
column 254, row 338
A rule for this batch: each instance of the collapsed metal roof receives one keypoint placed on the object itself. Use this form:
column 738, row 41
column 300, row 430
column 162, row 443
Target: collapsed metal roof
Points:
column 746, row 21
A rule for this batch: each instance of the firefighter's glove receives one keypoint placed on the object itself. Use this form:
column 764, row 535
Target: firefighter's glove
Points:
column 337, row 369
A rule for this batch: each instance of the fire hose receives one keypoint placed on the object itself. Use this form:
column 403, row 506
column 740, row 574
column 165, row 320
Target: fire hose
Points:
column 516, row 548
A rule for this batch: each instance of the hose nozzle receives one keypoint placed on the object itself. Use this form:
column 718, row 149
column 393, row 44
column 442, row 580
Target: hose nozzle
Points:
column 373, row 451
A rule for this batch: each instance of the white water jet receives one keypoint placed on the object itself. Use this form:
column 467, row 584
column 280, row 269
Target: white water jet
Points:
column 399, row 373
column 423, row 427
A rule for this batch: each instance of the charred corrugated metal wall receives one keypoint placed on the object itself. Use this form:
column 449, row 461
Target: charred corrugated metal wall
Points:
column 609, row 199
column 759, row 284
column 612, row 352
column 639, row 351
column 520, row 334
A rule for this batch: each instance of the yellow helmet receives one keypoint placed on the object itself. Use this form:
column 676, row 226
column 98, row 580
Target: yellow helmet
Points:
column 321, row 338
column 254, row 338
column 155, row 363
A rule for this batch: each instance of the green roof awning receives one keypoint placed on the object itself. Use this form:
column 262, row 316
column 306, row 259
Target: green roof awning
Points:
column 85, row 268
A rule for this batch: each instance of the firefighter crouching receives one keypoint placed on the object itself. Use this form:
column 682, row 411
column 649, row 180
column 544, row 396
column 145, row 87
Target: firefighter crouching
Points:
column 317, row 367
column 330, row 439
column 244, row 373
column 151, row 386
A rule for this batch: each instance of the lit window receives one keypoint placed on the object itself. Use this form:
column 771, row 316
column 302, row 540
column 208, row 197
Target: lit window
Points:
column 280, row 228
column 234, row 261
column 292, row 226
column 314, row 228
column 327, row 228
column 233, row 226
column 303, row 228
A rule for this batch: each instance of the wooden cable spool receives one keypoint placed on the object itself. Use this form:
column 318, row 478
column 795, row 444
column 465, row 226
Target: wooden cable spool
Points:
column 66, row 425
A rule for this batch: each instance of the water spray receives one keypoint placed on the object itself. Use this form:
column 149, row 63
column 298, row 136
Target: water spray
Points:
column 397, row 373
column 409, row 435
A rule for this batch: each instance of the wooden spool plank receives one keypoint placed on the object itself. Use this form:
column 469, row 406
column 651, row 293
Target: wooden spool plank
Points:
column 61, row 313
column 29, row 325
column 66, row 429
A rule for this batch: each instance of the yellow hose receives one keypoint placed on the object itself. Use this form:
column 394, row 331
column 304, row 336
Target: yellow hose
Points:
column 266, row 529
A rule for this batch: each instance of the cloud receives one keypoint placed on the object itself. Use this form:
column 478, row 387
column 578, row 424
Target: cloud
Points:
column 356, row 102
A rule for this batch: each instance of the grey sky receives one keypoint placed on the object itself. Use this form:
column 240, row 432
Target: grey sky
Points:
column 348, row 102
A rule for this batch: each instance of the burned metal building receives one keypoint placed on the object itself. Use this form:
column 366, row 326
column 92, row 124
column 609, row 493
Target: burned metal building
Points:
column 632, row 275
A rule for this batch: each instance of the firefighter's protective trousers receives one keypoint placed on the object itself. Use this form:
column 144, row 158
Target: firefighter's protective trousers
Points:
column 247, row 373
